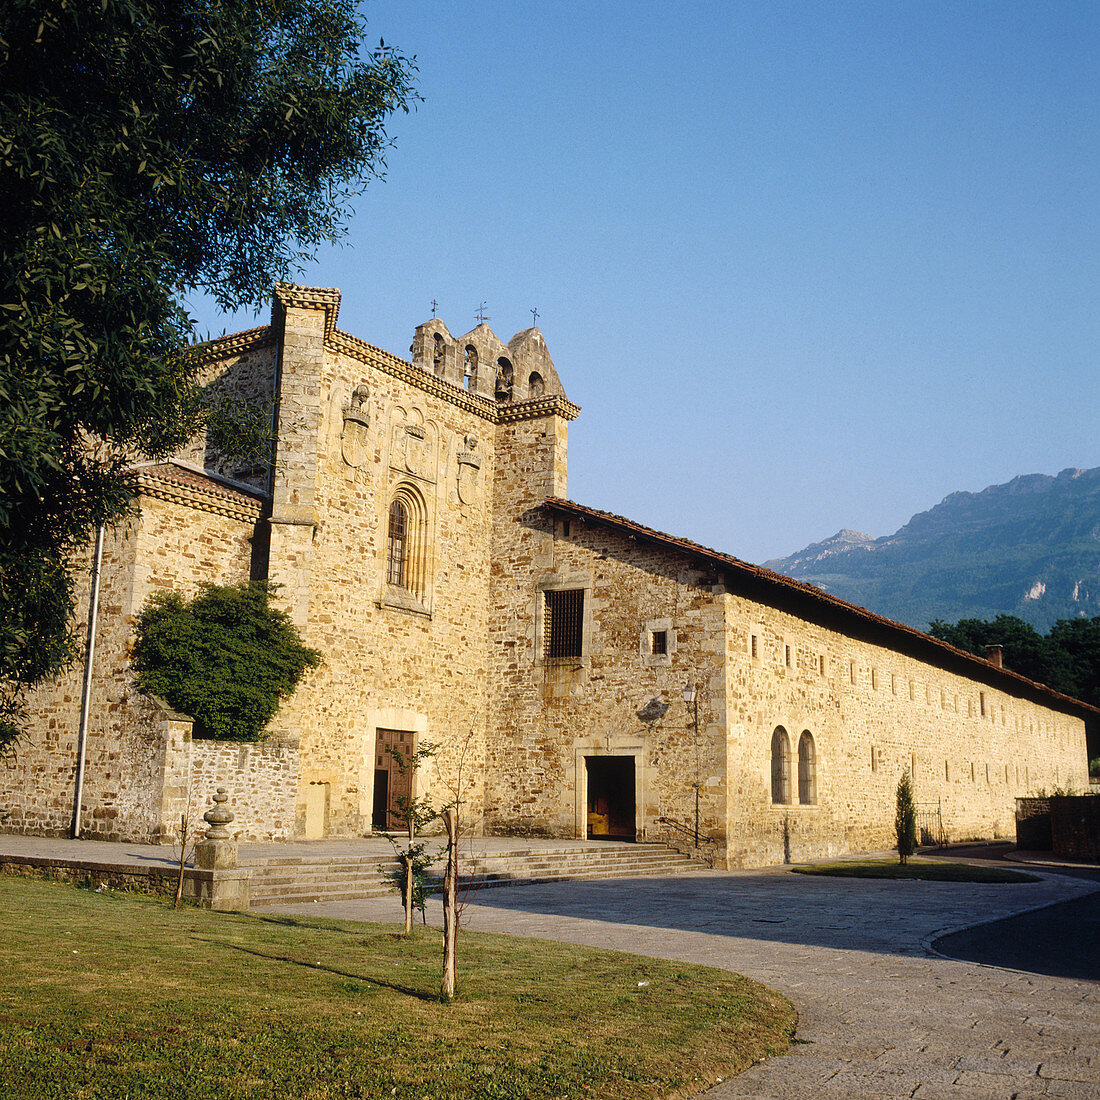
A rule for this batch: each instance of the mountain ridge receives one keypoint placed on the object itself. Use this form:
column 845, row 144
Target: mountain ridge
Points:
column 1028, row 547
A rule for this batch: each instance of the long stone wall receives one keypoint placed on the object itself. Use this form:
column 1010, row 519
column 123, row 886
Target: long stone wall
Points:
column 869, row 710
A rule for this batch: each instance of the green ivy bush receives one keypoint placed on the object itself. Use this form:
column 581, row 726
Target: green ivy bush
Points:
column 227, row 658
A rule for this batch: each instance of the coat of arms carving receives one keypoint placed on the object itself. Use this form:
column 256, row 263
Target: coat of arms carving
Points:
column 353, row 439
column 412, row 449
column 469, row 470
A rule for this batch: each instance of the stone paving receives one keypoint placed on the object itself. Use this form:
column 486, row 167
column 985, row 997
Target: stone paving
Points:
column 880, row 1015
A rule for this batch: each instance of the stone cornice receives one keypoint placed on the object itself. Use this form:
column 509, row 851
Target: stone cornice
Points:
column 236, row 343
column 538, row 407
column 219, row 502
column 292, row 296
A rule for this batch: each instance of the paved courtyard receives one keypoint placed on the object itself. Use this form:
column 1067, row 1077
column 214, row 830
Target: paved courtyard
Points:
column 881, row 1014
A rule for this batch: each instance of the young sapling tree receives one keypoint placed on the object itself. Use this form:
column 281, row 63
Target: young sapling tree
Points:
column 905, row 818
column 414, row 813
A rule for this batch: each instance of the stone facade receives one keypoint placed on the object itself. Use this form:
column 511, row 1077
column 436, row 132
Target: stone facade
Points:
column 416, row 518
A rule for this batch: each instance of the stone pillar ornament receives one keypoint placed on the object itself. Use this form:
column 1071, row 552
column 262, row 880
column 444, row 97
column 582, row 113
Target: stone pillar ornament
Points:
column 218, row 817
column 219, row 850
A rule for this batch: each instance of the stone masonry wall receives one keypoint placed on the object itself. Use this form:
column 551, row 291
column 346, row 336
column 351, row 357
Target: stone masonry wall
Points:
column 874, row 712
column 552, row 718
column 168, row 545
column 394, row 658
column 870, row 710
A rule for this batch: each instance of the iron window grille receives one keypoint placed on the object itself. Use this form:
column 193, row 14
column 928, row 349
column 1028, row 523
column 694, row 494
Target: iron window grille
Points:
column 563, row 625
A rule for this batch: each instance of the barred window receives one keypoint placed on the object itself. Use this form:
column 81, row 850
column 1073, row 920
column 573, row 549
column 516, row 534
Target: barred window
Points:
column 398, row 545
column 563, row 625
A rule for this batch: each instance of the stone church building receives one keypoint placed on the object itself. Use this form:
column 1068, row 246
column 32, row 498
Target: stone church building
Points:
column 417, row 519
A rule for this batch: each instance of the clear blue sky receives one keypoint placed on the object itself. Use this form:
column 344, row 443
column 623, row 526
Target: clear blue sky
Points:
column 805, row 265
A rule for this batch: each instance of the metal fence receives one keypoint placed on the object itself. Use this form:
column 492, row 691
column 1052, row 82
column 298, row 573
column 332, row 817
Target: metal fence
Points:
column 930, row 829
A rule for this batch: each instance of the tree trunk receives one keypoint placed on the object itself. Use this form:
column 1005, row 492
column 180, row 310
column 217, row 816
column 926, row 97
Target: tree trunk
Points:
column 450, row 913
column 183, row 860
column 407, row 860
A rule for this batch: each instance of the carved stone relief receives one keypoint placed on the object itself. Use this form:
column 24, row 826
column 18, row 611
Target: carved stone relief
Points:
column 469, row 470
column 413, row 444
column 353, row 439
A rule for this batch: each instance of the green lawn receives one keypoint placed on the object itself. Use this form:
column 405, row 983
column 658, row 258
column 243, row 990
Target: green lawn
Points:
column 932, row 870
column 116, row 995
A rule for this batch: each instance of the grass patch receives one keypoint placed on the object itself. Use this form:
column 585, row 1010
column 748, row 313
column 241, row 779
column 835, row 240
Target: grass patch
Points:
column 932, row 870
column 116, row 995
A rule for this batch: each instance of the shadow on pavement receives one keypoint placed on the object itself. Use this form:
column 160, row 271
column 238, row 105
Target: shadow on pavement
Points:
column 885, row 917
column 1061, row 941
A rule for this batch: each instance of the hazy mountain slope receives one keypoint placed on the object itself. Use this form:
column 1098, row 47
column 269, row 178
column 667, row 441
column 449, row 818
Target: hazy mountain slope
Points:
column 1029, row 548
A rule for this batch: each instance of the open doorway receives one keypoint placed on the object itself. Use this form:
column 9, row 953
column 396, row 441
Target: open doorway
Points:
column 610, row 797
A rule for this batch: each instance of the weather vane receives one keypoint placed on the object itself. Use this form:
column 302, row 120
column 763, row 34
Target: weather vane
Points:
column 534, row 316
column 481, row 315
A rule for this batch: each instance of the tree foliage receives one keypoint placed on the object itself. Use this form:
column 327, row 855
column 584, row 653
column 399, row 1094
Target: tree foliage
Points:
column 148, row 148
column 905, row 818
column 226, row 658
column 1067, row 659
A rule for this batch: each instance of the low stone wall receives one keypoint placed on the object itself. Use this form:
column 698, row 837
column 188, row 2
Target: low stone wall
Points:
column 1033, row 833
column 261, row 778
column 1075, row 826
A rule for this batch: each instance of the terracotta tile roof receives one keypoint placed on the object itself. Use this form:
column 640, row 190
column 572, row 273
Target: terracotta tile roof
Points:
column 180, row 475
column 904, row 637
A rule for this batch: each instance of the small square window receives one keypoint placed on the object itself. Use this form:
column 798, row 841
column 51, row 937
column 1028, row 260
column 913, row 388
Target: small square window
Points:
column 658, row 642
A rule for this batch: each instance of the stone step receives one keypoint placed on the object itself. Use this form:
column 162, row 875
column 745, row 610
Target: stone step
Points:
column 296, row 879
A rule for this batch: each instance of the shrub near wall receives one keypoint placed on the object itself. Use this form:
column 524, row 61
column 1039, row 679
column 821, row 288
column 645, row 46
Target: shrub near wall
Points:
column 1075, row 826
column 1033, row 824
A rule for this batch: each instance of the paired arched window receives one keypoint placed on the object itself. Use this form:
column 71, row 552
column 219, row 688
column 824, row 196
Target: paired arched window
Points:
column 406, row 541
column 807, row 769
column 781, row 766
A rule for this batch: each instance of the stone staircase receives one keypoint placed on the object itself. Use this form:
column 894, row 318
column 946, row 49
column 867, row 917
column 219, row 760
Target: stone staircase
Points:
column 604, row 860
column 292, row 879
column 295, row 879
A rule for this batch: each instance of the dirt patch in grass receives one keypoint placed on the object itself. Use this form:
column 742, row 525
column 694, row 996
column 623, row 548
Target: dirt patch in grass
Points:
column 932, row 870
column 114, row 995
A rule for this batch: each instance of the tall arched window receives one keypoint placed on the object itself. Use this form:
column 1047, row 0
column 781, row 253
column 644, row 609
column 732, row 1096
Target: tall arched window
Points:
column 781, row 766
column 807, row 769
column 398, row 545
column 405, row 566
